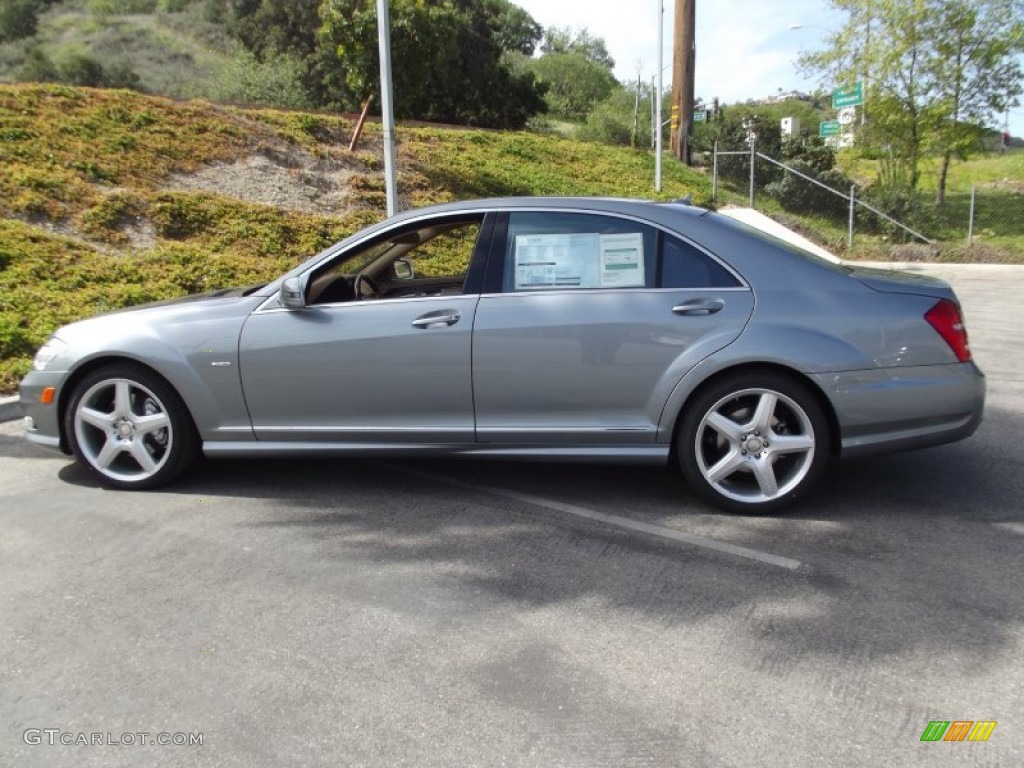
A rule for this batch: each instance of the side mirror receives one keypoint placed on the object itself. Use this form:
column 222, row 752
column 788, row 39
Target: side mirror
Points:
column 403, row 269
column 291, row 295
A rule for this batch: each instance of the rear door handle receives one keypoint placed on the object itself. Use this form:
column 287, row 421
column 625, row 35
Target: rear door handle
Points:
column 699, row 307
column 443, row 317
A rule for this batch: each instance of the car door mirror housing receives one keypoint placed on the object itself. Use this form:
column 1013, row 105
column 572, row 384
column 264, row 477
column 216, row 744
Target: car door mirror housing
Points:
column 403, row 270
column 292, row 295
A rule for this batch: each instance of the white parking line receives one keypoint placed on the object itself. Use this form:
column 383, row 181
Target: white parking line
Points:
column 617, row 521
column 1017, row 528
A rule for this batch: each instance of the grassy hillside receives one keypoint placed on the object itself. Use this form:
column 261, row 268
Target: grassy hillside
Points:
column 179, row 54
column 112, row 198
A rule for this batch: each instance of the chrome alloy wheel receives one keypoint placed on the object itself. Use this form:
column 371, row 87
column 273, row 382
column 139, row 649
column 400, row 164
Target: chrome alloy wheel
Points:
column 754, row 445
column 123, row 430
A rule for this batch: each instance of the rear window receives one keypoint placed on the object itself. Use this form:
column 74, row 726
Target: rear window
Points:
column 685, row 266
column 763, row 236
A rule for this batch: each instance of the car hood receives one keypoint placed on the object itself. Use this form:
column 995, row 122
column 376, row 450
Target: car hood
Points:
column 892, row 281
column 146, row 319
column 222, row 293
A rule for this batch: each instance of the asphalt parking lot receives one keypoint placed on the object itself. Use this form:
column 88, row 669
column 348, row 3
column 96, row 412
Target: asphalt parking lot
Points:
column 364, row 613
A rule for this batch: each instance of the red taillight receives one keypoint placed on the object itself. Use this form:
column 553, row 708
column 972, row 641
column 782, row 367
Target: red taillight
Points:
column 945, row 318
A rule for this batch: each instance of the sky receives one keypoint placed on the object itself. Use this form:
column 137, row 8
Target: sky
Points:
column 746, row 49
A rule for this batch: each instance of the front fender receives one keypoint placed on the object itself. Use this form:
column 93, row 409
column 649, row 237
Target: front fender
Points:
column 198, row 356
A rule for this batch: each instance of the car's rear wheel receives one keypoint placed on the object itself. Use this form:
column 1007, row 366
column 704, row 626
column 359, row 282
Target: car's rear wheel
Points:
column 753, row 442
column 129, row 428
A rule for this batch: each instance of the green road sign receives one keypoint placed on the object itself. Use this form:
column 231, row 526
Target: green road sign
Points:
column 700, row 116
column 829, row 128
column 850, row 96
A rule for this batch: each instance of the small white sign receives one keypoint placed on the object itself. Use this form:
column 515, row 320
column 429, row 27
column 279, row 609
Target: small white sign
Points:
column 847, row 115
column 622, row 260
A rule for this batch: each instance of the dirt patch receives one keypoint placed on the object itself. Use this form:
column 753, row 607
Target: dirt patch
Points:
column 139, row 232
column 290, row 178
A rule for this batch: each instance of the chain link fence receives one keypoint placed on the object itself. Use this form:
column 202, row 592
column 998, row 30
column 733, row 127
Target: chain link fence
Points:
column 883, row 220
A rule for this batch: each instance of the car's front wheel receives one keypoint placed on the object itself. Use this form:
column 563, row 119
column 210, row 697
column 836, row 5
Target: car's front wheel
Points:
column 753, row 441
column 129, row 428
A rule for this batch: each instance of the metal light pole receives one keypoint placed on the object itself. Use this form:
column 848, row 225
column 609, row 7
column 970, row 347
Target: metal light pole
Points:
column 657, row 97
column 384, row 37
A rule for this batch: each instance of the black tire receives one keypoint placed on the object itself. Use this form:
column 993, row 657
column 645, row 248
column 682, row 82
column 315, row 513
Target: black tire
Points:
column 753, row 441
column 121, row 414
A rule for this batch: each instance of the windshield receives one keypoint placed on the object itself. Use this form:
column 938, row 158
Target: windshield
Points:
column 362, row 257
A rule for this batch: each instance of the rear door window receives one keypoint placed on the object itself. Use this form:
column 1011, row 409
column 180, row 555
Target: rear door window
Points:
column 548, row 251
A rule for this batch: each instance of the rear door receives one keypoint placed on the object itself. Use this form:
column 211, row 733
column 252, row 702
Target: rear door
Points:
column 593, row 322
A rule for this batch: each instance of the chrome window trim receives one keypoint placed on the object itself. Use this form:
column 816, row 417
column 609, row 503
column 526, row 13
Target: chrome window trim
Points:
column 361, row 303
column 608, row 291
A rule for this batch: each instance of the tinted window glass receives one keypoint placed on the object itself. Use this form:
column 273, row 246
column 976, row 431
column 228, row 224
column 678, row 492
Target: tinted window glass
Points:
column 684, row 266
column 570, row 251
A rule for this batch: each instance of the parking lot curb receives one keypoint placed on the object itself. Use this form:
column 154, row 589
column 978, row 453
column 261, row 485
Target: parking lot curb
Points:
column 10, row 408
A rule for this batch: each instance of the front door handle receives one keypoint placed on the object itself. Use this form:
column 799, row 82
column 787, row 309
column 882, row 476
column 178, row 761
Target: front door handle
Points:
column 699, row 307
column 443, row 317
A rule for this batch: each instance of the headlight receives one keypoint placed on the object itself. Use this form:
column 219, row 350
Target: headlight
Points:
column 47, row 352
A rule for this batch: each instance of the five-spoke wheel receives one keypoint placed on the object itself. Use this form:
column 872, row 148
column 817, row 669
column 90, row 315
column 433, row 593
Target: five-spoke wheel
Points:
column 753, row 442
column 129, row 427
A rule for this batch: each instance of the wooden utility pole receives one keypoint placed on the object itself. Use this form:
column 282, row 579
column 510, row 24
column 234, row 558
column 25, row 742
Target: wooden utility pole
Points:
column 683, row 58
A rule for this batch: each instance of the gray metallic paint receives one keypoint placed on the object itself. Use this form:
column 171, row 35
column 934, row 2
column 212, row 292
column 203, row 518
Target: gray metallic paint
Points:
column 857, row 335
column 360, row 371
column 581, row 366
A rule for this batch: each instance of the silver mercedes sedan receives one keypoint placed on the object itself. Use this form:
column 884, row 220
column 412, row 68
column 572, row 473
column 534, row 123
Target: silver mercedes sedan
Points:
column 530, row 328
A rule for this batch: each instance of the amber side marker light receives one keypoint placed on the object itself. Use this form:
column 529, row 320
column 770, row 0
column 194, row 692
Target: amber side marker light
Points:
column 46, row 397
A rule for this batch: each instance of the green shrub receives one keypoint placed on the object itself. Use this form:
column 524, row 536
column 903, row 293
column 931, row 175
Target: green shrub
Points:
column 121, row 75
column 82, row 69
column 798, row 195
column 181, row 216
column 613, row 120
column 104, row 8
column 273, row 81
column 105, row 220
column 894, row 195
column 39, row 68
column 18, row 19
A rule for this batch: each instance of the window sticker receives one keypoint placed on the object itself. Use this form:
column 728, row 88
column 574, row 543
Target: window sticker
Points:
column 579, row 260
column 557, row 261
column 622, row 260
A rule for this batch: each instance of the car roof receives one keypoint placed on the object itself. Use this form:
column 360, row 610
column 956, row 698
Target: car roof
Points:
column 597, row 204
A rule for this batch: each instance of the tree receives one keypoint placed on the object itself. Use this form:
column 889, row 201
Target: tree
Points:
column 447, row 55
column 19, row 18
column 623, row 118
column 576, row 70
column 565, row 40
column 277, row 32
column 78, row 69
column 575, row 83
column 974, row 74
column 513, row 28
column 930, row 68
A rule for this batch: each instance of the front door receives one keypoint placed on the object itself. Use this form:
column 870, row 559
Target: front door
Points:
column 382, row 359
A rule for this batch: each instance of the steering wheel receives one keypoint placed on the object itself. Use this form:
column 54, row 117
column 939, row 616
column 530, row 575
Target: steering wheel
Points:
column 361, row 281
